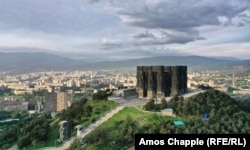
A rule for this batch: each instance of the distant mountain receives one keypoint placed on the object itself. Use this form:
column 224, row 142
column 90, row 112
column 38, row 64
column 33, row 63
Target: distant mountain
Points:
column 193, row 62
column 31, row 62
column 227, row 58
column 238, row 65
column 26, row 62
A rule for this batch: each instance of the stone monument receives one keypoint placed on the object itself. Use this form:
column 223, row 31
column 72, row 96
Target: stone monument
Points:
column 63, row 130
column 161, row 81
column 79, row 131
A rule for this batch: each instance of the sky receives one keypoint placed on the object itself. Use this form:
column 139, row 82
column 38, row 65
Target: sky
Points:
column 126, row 29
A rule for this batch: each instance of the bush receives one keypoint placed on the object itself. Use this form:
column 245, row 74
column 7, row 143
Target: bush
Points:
column 100, row 95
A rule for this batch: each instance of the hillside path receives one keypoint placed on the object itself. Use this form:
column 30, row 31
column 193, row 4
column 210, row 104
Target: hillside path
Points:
column 88, row 129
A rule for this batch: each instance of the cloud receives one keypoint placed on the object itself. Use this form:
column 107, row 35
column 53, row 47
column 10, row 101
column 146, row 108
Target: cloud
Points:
column 130, row 28
column 110, row 44
column 179, row 14
column 176, row 22
column 224, row 49
column 149, row 37
column 67, row 17
column 161, row 37
column 145, row 34
column 91, row 1
column 40, row 40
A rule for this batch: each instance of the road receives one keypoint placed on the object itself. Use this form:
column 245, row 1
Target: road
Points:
column 88, row 129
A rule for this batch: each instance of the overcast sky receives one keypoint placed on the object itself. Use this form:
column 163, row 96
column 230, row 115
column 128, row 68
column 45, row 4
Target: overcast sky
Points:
column 119, row 29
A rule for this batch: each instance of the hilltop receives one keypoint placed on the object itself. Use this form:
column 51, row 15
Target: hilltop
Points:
column 225, row 117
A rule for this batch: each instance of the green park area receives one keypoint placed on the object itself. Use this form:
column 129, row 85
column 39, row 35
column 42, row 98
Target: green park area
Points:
column 43, row 130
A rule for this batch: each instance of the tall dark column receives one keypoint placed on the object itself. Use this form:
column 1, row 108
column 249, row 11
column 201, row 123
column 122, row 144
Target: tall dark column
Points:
column 145, row 82
column 167, row 81
column 158, row 72
column 150, row 92
column 140, row 82
column 175, row 81
column 179, row 80
column 183, row 79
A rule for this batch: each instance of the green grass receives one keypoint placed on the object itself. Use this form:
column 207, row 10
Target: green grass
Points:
column 141, row 117
column 100, row 108
column 136, row 114
column 123, row 114
column 102, row 105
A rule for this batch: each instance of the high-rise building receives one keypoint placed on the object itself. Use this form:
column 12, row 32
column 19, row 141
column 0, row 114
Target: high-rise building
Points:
column 55, row 101
column 211, row 83
column 62, row 101
column 50, row 101
column 161, row 81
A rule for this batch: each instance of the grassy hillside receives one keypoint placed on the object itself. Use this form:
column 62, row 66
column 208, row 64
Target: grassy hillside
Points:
column 118, row 132
column 225, row 117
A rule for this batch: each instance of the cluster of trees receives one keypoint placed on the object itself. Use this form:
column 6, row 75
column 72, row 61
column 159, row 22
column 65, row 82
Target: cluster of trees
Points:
column 83, row 112
column 6, row 91
column 238, row 123
column 226, row 115
column 204, row 87
column 8, row 137
column 101, row 95
column 25, row 132
column 210, row 102
column 12, row 115
column 36, row 130
column 152, row 106
column 244, row 105
column 5, row 115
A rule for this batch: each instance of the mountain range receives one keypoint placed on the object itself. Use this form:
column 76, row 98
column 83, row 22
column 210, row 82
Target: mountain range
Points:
column 21, row 62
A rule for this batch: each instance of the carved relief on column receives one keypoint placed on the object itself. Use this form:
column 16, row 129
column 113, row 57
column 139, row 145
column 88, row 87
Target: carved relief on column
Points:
column 150, row 93
column 150, row 81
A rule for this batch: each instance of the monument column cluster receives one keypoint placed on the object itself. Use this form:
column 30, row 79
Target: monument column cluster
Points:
column 161, row 81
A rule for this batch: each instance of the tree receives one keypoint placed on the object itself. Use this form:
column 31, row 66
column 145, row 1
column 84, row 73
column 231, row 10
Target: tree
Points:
column 163, row 103
column 127, row 130
column 100, row 95
column 24, row 141
column 150, row 105
column 88, row 110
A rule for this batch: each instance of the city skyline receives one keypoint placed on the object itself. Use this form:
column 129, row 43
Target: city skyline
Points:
column 115, row 30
